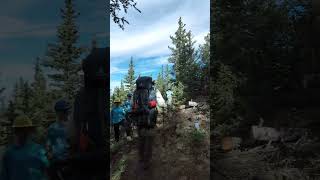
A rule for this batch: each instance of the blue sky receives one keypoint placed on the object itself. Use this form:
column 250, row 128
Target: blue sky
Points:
column 27, row 27
column 147, row 37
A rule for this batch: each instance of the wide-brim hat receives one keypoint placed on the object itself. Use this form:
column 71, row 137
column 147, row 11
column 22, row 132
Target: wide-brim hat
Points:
column 117, row 101
column 22, row 121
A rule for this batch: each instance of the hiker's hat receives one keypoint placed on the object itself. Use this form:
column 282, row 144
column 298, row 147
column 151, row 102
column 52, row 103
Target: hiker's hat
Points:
column 117, row 101
column 62, row 105
column 22, row 121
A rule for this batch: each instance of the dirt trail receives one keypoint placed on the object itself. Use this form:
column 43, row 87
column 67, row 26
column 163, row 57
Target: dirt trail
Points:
column 172, row 155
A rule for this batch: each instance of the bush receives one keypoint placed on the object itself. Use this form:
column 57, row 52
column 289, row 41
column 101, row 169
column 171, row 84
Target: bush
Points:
column 178, row 96
column 197, row 136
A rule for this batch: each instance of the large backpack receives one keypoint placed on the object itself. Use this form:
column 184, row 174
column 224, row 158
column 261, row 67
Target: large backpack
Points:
column 142, row 96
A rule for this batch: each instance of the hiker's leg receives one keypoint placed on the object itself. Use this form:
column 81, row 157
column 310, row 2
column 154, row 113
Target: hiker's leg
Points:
column 53, row 171
column 141, row 143
column 123, row 131
column 116, row 132
column 149, row 143
column 128, row 126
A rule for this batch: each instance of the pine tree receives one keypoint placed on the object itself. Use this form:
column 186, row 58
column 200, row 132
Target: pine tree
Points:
column 39, row 95
column 18, row 96
column 122, row 92
column 129, row 79
column 167, row 81
column 178, row 95
column 204, row 63
column 116, row 93
column 11, row 112
column 163, row 82
column 183, row 56
column 63, row 56
column 160, row 82
column 26, row 99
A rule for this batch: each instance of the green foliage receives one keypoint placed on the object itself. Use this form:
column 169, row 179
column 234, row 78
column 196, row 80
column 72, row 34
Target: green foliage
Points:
column 22, row 98
column 204, row 64
column 119, row 168
column 39, row 96
column 183, row 55
column 178, row 95
column 11, row 112
column 197, row 136
column 32, row 100
column 258, row 40
column 163, row 82
column 130, row 78
column 223, row 93
column 119, row 93
column 39, row 135
column 63, row 56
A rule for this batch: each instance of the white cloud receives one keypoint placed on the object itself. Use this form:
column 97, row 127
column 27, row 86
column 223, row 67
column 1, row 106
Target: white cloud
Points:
column 116, row 70
column 148, row 71
column 162, row 60
column 149, row 32
column 15, row 27
column 18, row 28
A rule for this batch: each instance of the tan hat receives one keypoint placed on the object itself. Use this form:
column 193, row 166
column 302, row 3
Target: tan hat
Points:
column 117, row 101
column 22, row 121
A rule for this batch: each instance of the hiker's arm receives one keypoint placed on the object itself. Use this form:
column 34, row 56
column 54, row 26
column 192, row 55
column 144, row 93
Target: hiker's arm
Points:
column 111, row 117
column 42, row 155
column 43, row 158
column 48, row 147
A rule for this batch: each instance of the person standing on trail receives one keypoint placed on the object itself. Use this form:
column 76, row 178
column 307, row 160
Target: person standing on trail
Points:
column 25, row 159
column 57, row 142
column 145, row 103
column 128, row 103
column 128, row 108
column 118, row 118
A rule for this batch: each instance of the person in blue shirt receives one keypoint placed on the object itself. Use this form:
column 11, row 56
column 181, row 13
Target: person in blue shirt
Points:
column 117, row 119
column 57, row 143
column 127, row 105
column 24, row 159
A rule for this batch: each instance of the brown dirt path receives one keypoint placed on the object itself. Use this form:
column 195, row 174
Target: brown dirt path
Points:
column 171, row 156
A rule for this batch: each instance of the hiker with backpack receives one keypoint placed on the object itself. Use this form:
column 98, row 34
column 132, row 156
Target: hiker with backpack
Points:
column 144, row 108
column 57, row 144
column 118, row 119
column 24, row 159
column 127, row 105
column 89, row 160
